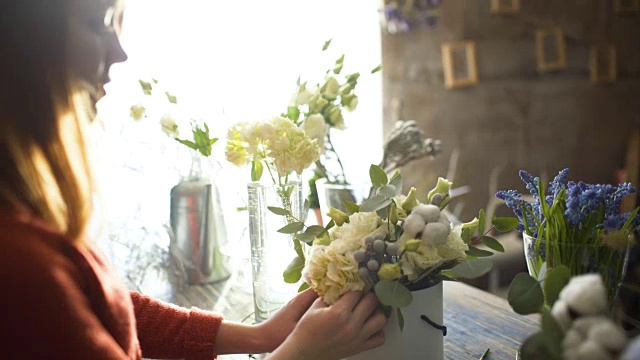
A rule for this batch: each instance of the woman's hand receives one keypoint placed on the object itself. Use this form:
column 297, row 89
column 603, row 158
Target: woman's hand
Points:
column 352, row 325
column 278, row 327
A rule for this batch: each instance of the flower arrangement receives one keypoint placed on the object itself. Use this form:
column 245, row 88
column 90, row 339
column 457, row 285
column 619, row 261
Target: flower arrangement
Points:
column 402, row 16
column 393, row 244
column 318, row 109
column 198, row 137
column 577, row 225
column 577, row 325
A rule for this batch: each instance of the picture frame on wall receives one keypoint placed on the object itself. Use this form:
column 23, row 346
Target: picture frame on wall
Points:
column 602, row 64
column 459, row 64
column 550, row 50
column 505, row 6
column 626, row 7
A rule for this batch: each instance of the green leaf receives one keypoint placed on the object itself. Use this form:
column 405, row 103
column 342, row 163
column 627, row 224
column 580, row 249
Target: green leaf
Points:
column 256, row 170
column 474, row 251
column 188, row 143
column 376, row 69
column 396, row 180
column 525, row 294
column 552, row 333
column 305, row 237
column 555, row 281
column 304, row 286
column 492, row 243
column 305, row 210
column 534, row 348
column 388, row 191
column 378, row 176
column 374, row 203
column 314, row 229
column 326, row 44
column 292, row 228
column 393, row 293
column 351, row 208
column 278, row 210
column 400, row 319
column 470, row 269
column 505, row 224
column 466, row 235
column 293, row 113
column 146, row 87
column 293, row 272
column 482, row 219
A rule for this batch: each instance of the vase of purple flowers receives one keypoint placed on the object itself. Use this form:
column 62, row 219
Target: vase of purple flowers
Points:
column 574, row 224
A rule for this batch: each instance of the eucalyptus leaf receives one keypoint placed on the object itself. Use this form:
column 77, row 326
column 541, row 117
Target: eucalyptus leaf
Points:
column 305, row 237
column 374, row 203
column 505, row 224
column 351, row 208
column 396, row 180
column 555, row 281
column 492, row 243
column 472, row 268
column 383, row 213
column 388, row 191
column 393, row 293
column 292, row 228
column 482, row 219
column 534, row 348
column 474, row 251
column 552, row 334
column 278, row 210
column 525, row 294
column 293, row 272
column 314, row 230
column 378, row 176
column 400, row 319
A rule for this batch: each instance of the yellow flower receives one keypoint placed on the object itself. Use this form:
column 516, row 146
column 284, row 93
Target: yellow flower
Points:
column 332, row 274
column 389, row 271
column 338, row 216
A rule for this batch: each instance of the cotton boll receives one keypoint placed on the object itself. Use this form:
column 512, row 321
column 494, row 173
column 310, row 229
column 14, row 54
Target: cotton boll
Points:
column 608, row 335
column 590, row 350
column 560, row 312
column 429, row 213
column 435, row 233
column 585, row 294
column 413, row 224
column 443, row 219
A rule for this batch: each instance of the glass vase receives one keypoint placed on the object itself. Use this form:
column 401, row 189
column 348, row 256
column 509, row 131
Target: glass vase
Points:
column 197, row 225
column 580, row 258
column 335, row 194
column 422, row 336
column 272, row 251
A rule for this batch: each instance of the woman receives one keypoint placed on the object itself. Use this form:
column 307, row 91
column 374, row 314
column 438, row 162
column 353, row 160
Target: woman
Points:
column 61, row 300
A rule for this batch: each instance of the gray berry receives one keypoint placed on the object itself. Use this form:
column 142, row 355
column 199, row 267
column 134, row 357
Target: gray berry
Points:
column 436, row 199
column 373, row 265
column 378, row 246
column 368, row 240
column 364, row 273
column 360, row 256
column 392, row 249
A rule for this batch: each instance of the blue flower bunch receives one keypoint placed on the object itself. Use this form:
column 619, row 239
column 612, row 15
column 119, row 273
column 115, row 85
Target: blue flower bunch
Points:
column 593, row 206
column 402, row 16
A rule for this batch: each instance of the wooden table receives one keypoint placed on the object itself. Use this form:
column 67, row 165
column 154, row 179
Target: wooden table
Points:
column 476, row 320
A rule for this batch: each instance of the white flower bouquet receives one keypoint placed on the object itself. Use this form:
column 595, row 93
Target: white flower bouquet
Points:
column 393, row 244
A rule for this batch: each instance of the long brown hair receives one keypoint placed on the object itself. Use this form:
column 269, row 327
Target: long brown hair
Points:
column 44, row 167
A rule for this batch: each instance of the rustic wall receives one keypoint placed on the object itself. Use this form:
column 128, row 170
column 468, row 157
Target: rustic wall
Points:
column 516, row 118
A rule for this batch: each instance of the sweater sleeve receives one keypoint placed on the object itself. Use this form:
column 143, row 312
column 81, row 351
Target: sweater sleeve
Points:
column 46, row 312
column 169, row 331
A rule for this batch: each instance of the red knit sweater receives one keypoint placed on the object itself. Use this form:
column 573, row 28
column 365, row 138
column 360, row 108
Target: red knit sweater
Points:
column 59, row 301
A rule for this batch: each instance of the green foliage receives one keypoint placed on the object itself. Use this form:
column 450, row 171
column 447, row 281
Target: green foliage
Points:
column 491, row 243
column 472, row 268
column 505, row 224
column 378, row 176
column 555, row 281
column 525, row 294
column 293, row 272
column 393, row 293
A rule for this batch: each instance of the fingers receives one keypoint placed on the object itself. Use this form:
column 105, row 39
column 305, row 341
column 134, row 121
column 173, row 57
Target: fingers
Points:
column 374, row 341
column 374, row 324
column 366, row 306
column 302, row 301
column 348, row 301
